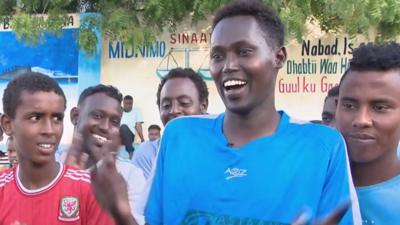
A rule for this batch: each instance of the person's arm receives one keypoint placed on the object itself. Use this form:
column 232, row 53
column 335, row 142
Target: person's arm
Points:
column 138, row 125
column 139, row 130
column 144, row 157
column 109, row 186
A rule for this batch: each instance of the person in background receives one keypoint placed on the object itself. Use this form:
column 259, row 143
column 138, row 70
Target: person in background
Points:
column 131, row 124
column 97, row 119
column 368, row 116
column 329, row 110
column 12, row 152
column 154, row 132
column 182, row 92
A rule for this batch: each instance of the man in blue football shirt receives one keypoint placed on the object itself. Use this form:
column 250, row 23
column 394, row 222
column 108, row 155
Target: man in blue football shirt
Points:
column 251, row 164
column 368, row 116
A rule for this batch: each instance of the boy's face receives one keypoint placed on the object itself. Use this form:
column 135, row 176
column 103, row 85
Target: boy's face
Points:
column 127, row 105
column 179, row 97
column 154, row 134
column 368, row 114
column 98, row 120
column 243, row 65
column 37, row 127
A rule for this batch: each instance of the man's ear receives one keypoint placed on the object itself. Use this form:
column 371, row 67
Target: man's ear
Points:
column 6, row 124
column 280, row 57
column 74, row 114
column 204, row 106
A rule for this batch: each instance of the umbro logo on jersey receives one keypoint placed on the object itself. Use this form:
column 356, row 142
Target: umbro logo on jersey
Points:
column 235, row 172
column 69, row 209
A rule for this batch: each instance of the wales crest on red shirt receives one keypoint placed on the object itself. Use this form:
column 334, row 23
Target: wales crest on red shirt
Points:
column 69, row 209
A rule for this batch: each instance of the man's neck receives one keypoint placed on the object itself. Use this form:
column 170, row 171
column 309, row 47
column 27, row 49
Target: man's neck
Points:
column 241, row 129
column 378, row 171
column 37, row 176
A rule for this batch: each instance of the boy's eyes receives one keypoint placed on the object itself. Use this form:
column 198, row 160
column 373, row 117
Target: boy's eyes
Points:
column 216, row 56
column 58, row 118
column 165, row 105
column 245, row 51
column 348, row 105
column 116, row 122
column 381, row 107
column 34, row 118
column 96, row 115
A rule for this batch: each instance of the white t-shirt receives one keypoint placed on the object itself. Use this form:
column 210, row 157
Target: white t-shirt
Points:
column 136, row 182
column 131, row 118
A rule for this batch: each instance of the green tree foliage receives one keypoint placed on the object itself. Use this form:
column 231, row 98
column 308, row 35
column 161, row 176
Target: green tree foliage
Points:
column 139, row 21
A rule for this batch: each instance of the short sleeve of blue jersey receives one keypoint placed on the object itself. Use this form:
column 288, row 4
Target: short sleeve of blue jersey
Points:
column 338, row 187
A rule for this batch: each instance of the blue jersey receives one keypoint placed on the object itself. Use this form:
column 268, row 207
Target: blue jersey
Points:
column 200, row 179
column 380, row 203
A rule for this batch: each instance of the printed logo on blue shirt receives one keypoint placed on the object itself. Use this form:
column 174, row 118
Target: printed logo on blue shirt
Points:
column 194, row 217
column 235, row 172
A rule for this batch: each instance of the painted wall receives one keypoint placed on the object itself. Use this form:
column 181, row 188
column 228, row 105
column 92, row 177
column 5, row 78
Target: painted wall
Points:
column 57, row 57
column 313, row 67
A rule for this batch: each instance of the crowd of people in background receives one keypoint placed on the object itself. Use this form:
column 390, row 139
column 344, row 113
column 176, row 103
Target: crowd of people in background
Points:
column 252, row 162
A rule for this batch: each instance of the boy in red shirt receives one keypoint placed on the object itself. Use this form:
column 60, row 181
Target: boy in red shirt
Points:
column 40, row 190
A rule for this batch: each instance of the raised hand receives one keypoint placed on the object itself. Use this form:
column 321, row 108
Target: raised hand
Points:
column 332, row 219
column 111, row 190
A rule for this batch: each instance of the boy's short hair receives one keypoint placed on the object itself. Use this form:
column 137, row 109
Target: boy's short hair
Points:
column 198, row 81
column 31, row 82
column 128, row 97
column 375, row 57
column 108, row 90
column 266, row 17
column 154, row 127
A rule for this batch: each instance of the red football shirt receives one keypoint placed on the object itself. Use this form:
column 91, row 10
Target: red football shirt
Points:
column 68, row 199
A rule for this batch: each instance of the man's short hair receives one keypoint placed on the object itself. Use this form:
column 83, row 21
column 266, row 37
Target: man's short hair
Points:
column 198, row 81
column 266, row 17
column 31, row 82
column 154, row 127
column 128, row 97
column 375, row 57
column 108, row 90
column 333, row 92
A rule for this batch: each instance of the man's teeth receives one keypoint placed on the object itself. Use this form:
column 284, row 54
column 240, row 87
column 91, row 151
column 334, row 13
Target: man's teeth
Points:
column 231, row 83
column 100, row 138
column 45, row 145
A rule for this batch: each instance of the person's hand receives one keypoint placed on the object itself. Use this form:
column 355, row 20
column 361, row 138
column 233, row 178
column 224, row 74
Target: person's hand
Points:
column 76, row 155
column 111, row 190
column 332, row 219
